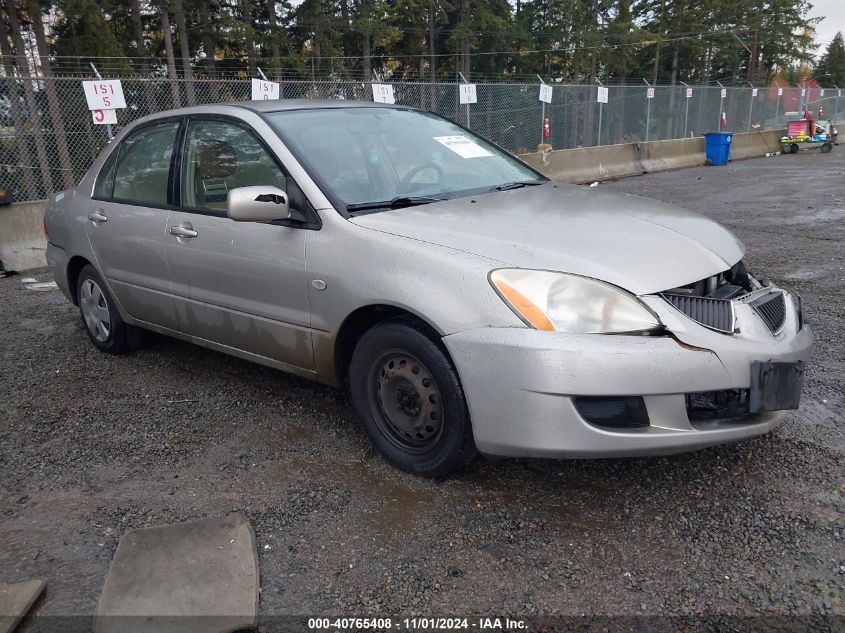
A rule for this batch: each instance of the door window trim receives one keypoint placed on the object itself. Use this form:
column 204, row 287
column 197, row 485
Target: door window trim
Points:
column 173, row 155
column 313, row 221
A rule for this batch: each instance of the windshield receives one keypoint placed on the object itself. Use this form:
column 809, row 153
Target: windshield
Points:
column 381, row 157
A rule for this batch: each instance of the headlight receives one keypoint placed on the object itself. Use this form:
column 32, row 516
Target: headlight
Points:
column 570, row 303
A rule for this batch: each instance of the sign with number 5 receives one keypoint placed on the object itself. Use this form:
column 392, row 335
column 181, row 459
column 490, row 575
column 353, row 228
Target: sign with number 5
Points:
column 104, row 94
column 264, row 90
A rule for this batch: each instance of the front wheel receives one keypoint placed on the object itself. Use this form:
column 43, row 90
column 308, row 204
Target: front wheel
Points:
column 826, row 148
column 410, row 401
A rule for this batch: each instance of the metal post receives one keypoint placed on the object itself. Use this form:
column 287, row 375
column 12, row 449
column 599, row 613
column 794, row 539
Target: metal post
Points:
column 600, row 112
column 686, row 109
column 647, row 111
column 261, row 72
column 542, row 113
column 836, row 111
column 751, row 106
column 777, row 104
column 464, row 79
column 97, row 73
column 721, row 106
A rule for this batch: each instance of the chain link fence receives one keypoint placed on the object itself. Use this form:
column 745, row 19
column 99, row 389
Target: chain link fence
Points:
column 48, row 139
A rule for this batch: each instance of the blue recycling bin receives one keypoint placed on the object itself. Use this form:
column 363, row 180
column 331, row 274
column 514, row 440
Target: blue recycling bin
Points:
column 718, row 147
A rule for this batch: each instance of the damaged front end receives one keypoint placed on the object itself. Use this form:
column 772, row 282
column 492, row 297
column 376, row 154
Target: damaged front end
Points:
column 711, row 302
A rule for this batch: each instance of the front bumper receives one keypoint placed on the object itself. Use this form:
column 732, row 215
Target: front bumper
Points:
column 520, row 383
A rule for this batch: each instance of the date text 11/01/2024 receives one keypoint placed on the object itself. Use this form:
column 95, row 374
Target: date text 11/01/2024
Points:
column 417, row 624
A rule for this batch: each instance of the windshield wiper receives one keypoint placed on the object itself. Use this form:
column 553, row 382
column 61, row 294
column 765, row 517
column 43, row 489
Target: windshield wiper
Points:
column 398, row 202
column 517, row 184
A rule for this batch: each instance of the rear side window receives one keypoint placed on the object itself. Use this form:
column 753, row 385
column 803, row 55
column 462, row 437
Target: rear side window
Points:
column 143, row 165
column 105, row 179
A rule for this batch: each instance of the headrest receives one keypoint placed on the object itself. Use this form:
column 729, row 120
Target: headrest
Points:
column 216, row 159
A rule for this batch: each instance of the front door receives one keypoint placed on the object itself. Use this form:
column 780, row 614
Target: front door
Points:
column 127, row 223
column 238, row 284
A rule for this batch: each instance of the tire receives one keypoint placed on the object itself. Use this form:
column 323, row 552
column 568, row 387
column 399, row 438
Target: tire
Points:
column 409, row 399
column 103, row 323
column 793, row 148
column 826, row 148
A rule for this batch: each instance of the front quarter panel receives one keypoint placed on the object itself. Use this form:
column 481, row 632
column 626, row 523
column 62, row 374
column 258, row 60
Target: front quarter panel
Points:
column 362, row 267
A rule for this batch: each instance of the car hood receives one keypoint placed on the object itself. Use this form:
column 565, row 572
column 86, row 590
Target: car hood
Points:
column 636, row 243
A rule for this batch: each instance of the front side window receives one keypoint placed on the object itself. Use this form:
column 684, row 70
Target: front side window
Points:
column 365, row 155
column 143, row 165
column 221, row 156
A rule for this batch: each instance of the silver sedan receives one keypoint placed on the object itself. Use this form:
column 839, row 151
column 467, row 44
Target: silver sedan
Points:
column 467, row 303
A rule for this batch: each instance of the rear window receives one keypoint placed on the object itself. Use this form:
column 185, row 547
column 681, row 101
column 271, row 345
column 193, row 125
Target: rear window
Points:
column 105, row 179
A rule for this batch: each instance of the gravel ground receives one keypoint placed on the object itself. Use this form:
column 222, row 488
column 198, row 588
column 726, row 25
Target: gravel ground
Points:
column 91, row 445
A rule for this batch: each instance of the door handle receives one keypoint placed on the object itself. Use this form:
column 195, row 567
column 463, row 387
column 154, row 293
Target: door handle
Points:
column 182, row 231
column 98, row 216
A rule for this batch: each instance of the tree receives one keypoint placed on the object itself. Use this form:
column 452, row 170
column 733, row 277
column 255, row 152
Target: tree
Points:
column 185, row 50
column 50, row 89
column 24, row 72
column 832, row 63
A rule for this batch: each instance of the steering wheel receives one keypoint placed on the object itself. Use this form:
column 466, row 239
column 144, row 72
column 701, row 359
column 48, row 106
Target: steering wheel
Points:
column 406, row 181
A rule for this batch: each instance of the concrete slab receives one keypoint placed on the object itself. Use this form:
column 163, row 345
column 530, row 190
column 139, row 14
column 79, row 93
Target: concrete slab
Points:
column 16, row 600
column 198, row 577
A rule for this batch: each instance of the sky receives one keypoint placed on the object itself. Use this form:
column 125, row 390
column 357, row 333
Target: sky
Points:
column 833, row 12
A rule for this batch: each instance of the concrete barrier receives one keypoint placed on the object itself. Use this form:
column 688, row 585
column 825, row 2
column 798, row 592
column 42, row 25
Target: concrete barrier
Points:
column 754, row 144
column 22, row 242
column 591, row 164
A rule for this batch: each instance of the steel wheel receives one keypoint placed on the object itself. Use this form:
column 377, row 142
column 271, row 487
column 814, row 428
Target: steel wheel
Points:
column 95, row 310
column 408, row 405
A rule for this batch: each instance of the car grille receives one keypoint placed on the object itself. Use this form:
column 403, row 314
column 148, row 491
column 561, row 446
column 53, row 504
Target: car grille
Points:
column 716, row 314
column 772, row 309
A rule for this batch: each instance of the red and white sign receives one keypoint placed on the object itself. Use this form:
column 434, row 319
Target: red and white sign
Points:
column 545, row 93
column 264, row 90
column 602, row 94
column 383, row 93
column 104, row 117
column 689, row 93
column 104, row 94
column 467, row 93
column 649, row 93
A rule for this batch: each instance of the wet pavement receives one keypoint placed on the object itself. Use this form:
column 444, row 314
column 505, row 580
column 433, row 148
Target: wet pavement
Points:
column 92, row 445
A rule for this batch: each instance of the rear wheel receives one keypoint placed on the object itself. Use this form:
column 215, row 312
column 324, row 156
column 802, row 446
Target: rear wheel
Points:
column 409, row 399
column 793, row 148
column 102, row 321
column 826, row 148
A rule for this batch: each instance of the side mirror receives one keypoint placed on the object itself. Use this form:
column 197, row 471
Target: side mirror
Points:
column 257, row 204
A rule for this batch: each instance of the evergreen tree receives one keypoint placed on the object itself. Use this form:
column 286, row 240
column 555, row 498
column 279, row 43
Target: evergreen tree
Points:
column 832, row 63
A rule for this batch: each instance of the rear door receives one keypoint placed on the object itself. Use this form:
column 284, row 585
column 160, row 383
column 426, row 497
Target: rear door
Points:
column 127, row 225
column 238, row 284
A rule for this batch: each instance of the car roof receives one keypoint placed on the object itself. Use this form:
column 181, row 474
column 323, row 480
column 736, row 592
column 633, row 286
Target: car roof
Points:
column 262, row 107
column 278, row 105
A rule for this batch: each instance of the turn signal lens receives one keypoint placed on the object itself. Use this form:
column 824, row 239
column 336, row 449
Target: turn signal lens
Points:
column 523, row 307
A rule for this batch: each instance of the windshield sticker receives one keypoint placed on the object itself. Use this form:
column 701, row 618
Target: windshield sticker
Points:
column 462, row 146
